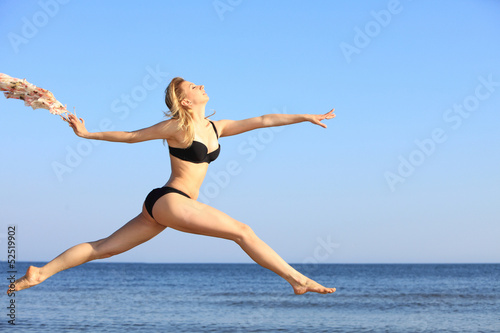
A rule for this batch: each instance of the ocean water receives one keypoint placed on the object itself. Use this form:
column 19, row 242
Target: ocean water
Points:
column 122, row 297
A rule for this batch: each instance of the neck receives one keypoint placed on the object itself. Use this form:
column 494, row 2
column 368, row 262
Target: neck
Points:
column 198, row 113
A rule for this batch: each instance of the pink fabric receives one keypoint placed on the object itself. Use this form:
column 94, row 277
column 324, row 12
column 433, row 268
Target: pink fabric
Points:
column 32, row 95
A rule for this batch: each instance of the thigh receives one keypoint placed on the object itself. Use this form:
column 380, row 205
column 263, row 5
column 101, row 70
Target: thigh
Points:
column 188, row 215
column 137, row 231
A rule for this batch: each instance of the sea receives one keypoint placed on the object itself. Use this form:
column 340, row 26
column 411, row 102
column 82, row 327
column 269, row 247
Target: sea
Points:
column 144, row 297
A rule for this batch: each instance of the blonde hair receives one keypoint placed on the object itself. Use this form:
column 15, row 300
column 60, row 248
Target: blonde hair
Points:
column 173, row 97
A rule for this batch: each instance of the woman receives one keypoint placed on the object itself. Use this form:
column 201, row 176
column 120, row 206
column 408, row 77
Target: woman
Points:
column 193, row 144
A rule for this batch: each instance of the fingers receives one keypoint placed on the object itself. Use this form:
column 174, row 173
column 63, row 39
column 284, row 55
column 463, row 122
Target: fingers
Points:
column 328, row 115
column 73, row 118
column 73, row 121
column 319, row 118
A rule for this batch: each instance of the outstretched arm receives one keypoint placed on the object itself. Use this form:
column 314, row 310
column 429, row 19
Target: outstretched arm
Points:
column 233, row 127
column 162, row 130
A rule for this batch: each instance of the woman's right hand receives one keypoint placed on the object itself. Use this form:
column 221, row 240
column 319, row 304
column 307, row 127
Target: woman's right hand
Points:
column 78, row 125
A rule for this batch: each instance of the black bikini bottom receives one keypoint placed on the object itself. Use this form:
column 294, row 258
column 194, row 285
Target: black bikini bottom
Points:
column 156, row 194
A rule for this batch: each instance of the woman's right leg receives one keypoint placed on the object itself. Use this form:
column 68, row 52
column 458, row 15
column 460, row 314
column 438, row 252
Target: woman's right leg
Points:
column 140, row 229
column 187, row 215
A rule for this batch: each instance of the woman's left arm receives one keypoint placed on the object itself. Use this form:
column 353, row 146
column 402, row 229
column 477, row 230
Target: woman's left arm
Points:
column 233, row 127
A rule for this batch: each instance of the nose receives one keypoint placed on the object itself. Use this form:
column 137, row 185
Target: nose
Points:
column 202, row 87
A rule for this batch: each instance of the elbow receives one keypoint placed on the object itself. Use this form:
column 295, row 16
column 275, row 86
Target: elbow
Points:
column 131, row 137
column 265, row 121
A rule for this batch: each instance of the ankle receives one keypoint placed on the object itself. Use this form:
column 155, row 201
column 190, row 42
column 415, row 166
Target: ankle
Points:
column 37, row 274
column 296, row 279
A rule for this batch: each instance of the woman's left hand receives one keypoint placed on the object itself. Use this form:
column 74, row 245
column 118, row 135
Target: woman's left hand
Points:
column 317, row 118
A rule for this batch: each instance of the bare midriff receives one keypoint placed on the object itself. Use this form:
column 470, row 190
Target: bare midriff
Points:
column 187, row 176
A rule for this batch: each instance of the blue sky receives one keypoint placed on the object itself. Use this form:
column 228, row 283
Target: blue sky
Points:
column 408, row 172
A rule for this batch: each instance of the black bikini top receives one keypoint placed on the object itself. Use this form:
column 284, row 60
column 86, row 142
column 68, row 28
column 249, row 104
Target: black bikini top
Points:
column 197, row 152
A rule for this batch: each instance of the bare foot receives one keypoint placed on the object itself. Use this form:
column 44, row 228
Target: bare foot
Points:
column 313, row 286
column 32, row 278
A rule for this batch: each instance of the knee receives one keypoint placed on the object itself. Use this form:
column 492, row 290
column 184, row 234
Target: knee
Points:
column 101, row 251
column 245, row 234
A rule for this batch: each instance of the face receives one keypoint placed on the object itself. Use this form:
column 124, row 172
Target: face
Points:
column 195, row 95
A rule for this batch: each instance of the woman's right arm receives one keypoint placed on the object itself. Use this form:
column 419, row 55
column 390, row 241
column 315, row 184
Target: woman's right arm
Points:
column 162, row 130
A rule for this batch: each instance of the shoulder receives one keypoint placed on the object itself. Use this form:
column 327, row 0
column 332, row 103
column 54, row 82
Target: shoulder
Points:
column 166, row 129
column 227, row 127
column 220, row 125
